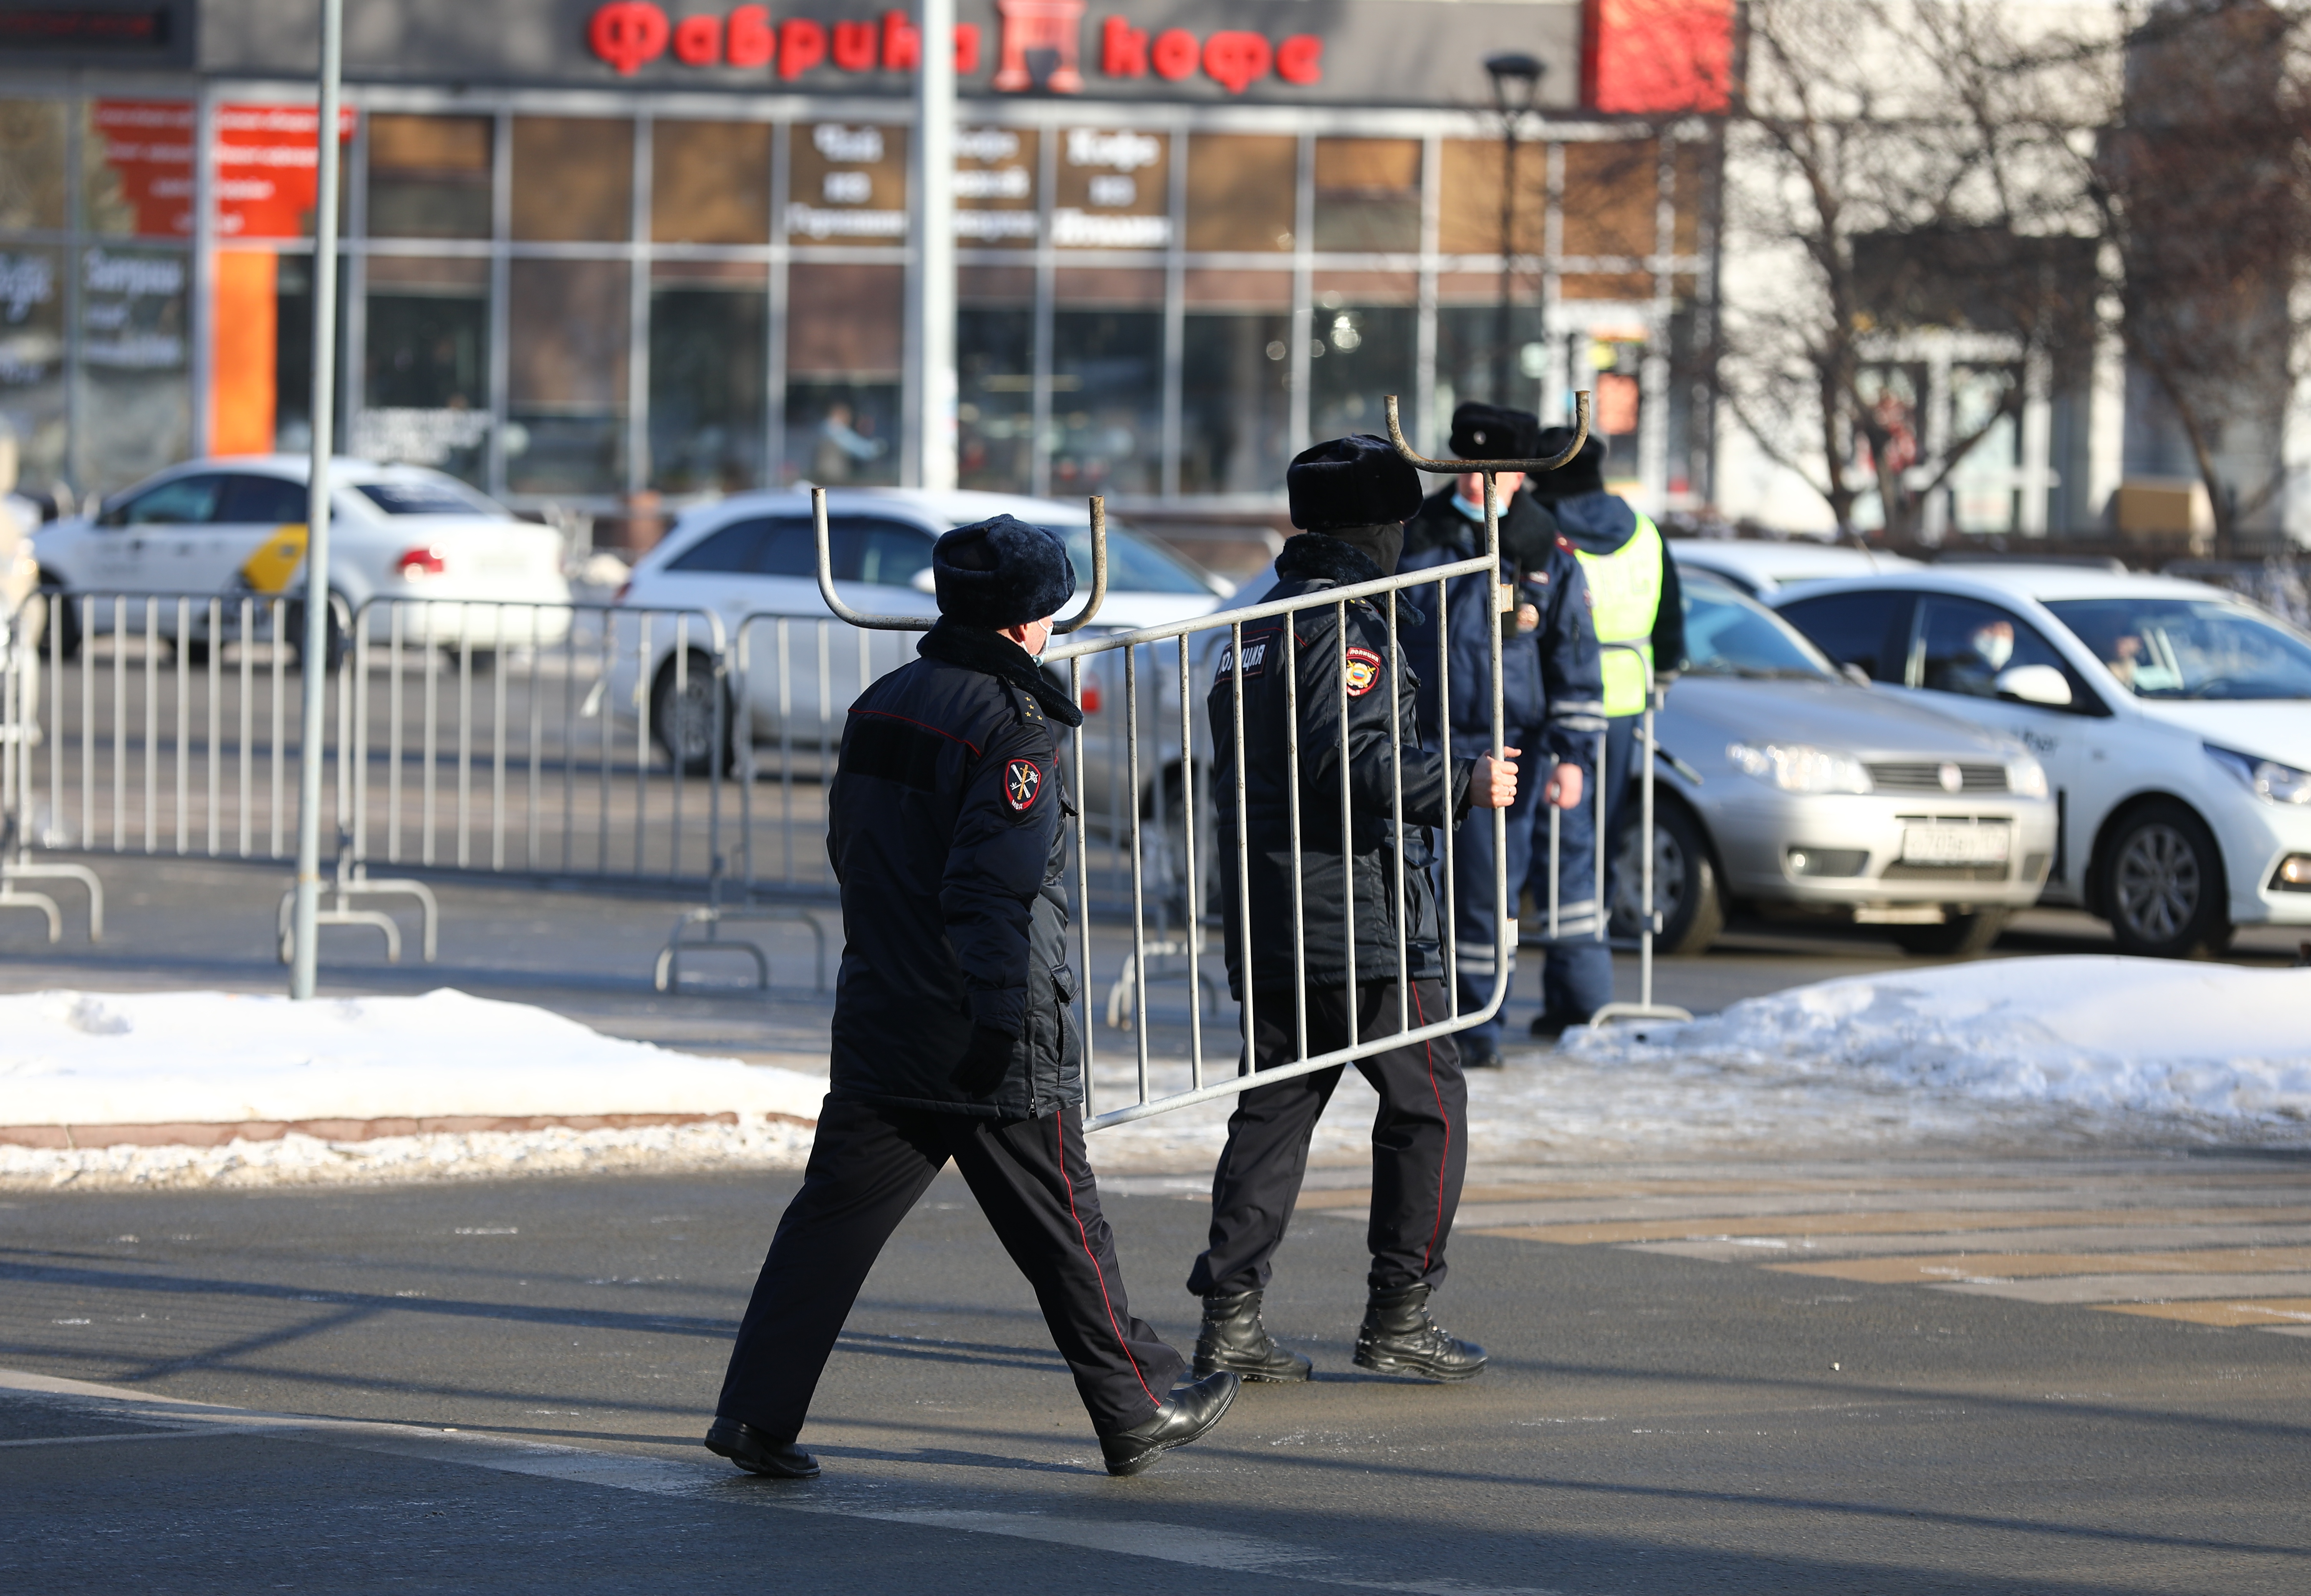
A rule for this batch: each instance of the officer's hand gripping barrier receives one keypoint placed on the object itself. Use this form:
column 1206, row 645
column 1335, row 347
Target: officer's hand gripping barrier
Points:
column 1075, row 623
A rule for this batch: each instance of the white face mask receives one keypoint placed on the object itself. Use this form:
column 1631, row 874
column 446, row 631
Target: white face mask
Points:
column 1995, row 646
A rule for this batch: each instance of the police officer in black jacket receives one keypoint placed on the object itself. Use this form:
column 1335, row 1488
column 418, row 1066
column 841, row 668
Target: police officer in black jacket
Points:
column 1353, row 495
column 1552, row 692
column 952, row 1033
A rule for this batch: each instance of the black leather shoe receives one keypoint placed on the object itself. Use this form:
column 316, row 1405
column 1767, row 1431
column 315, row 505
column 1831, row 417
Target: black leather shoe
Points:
column 757, row 1453
column 1187, row 1414
column 1480, row 1054
column 1234, row 1338
column 1548, row 1027
column 1399, row 1337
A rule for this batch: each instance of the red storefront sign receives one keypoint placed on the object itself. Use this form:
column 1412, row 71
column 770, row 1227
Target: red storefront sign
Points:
column 266, row 174
column 1040, row 45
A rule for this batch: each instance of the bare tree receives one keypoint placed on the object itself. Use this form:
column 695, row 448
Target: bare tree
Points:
column 1888, row 170
column 2201, row 185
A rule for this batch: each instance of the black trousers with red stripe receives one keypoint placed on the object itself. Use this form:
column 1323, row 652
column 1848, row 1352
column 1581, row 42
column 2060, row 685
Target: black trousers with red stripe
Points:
column 871, row 1163
column 1420, row 1146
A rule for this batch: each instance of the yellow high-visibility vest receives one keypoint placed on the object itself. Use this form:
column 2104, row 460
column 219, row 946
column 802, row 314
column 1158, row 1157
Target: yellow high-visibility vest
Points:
column 1625, row 592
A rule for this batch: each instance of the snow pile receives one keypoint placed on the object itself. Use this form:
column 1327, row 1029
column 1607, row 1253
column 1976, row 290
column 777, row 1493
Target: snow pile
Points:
column 2215, row 1046
column 754, row 1142
column 214, row 1057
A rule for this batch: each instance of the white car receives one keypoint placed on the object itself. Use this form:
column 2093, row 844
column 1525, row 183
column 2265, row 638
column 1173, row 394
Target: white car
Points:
column 1761, row 569
column 756, row 556
column 234, row 528
column 2174, row 721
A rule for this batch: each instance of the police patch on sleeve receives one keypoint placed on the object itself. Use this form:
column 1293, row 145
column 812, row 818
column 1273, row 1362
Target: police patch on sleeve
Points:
column 1023, row 784
column 1363, row 672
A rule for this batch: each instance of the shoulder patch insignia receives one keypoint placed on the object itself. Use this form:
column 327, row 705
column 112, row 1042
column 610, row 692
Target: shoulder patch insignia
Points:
column 1363, row 672
column 1566, row 544
column 1023, row 784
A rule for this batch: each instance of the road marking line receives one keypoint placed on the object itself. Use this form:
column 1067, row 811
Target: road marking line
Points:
column 2261, row 1314
column 1939, row 1268
column 192, row 1434
column 2080, row 1239
column 1722, row 1228
column 2121, row 1289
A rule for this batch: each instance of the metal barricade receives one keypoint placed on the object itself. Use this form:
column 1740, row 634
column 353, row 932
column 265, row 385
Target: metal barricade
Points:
column 1176, row 639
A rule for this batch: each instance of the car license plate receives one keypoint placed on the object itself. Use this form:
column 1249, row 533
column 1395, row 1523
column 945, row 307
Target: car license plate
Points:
column 1954, row 844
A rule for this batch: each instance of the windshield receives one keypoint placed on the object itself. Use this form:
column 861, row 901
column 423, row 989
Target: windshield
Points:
column 1134, row 564
column 427, row 498
column 2190, row 648
column 1729, row 635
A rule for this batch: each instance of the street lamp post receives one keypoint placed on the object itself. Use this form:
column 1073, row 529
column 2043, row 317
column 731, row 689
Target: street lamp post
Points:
column 1516, row 83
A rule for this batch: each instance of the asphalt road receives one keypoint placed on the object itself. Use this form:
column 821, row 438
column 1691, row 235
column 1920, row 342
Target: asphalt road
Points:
column 1651, row 1421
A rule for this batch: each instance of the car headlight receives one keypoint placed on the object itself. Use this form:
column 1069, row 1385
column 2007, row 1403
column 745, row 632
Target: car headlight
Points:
column 2027, row 777
column 2267, row 779
column 1794, row 767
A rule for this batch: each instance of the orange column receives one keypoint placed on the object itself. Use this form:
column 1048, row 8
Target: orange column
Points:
column 242, row 395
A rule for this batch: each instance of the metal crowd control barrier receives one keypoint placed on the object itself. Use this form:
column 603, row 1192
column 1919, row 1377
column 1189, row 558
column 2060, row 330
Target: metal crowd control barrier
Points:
column 1648, row 923
column 1232, row 667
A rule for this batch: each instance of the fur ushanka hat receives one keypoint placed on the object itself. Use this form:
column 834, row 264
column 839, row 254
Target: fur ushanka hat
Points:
column 1489, row 432
column 1002, row 573
column 1356, row 480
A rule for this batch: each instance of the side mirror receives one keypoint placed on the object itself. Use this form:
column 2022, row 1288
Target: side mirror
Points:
column 2034, row 683
column 925, row 580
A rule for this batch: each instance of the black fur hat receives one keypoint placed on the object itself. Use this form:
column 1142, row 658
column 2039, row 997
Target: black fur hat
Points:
column 1356, row 480
column 1002, row 573
column 1584, row 473
column 1488, row 432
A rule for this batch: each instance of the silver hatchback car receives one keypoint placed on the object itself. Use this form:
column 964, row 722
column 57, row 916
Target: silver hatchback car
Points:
column 1787, row 786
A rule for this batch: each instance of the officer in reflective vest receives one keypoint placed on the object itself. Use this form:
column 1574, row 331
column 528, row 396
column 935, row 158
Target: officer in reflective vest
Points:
column 1633, row 592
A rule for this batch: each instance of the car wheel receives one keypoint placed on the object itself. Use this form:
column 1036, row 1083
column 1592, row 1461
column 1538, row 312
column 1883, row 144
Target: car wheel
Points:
column 333, row 635
column 683, row 723
column 2163, row 888
column 1964, row 934
column 66, row 615
column 1686, row 890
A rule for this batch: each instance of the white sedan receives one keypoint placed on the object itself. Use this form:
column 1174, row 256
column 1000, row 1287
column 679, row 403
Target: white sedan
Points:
column 2174, row 721
column 745, row 569
column 235, row 527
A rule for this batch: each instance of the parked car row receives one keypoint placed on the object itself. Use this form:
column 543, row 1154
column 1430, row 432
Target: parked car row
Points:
column 1857, row 737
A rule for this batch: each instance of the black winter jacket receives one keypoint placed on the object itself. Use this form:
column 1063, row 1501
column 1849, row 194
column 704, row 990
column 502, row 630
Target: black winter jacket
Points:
column 1552, row 683
column 945, row 832
column 1435, row 786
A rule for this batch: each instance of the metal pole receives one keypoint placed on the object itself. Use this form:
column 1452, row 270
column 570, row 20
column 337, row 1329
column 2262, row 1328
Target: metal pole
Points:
column 934, row 185
column 317, row 501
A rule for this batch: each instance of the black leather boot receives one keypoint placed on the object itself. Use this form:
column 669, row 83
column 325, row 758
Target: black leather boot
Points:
column 1234, row 1338
column 1187, row 1414
column 1399, row 1337
column 757, row 1453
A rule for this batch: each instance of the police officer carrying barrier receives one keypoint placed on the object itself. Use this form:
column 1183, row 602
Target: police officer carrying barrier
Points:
column 1351, row 495
column 952, row 1034
column 1635, row 599
column 1551, row 700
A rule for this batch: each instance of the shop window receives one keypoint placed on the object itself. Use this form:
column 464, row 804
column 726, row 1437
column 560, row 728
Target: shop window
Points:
column 995, row 360
column 995, row 186
column 1467, row 356
column 33, row 364
column 1611, row 191
column 847, row 184
column 1107, row 384
column 1692, row 178
column 31, row 165
column 573, row 178
column 711, row 182
column 1114, row 189
column 1468, row 197
column 1368, row 194
column 1242, row 191
column 843, row 373
column 565, row 429
column 136, row 167
column 135, row 404
column 429, row 177
column 1608, row 359
column 1362, row 347
column 1235, row 401
column 707, row 386
column 425, row 393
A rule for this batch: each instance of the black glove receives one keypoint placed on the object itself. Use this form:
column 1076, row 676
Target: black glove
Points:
column 985, row 1061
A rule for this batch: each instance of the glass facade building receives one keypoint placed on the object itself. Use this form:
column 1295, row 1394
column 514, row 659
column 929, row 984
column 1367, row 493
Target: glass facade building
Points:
column 595, row 278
